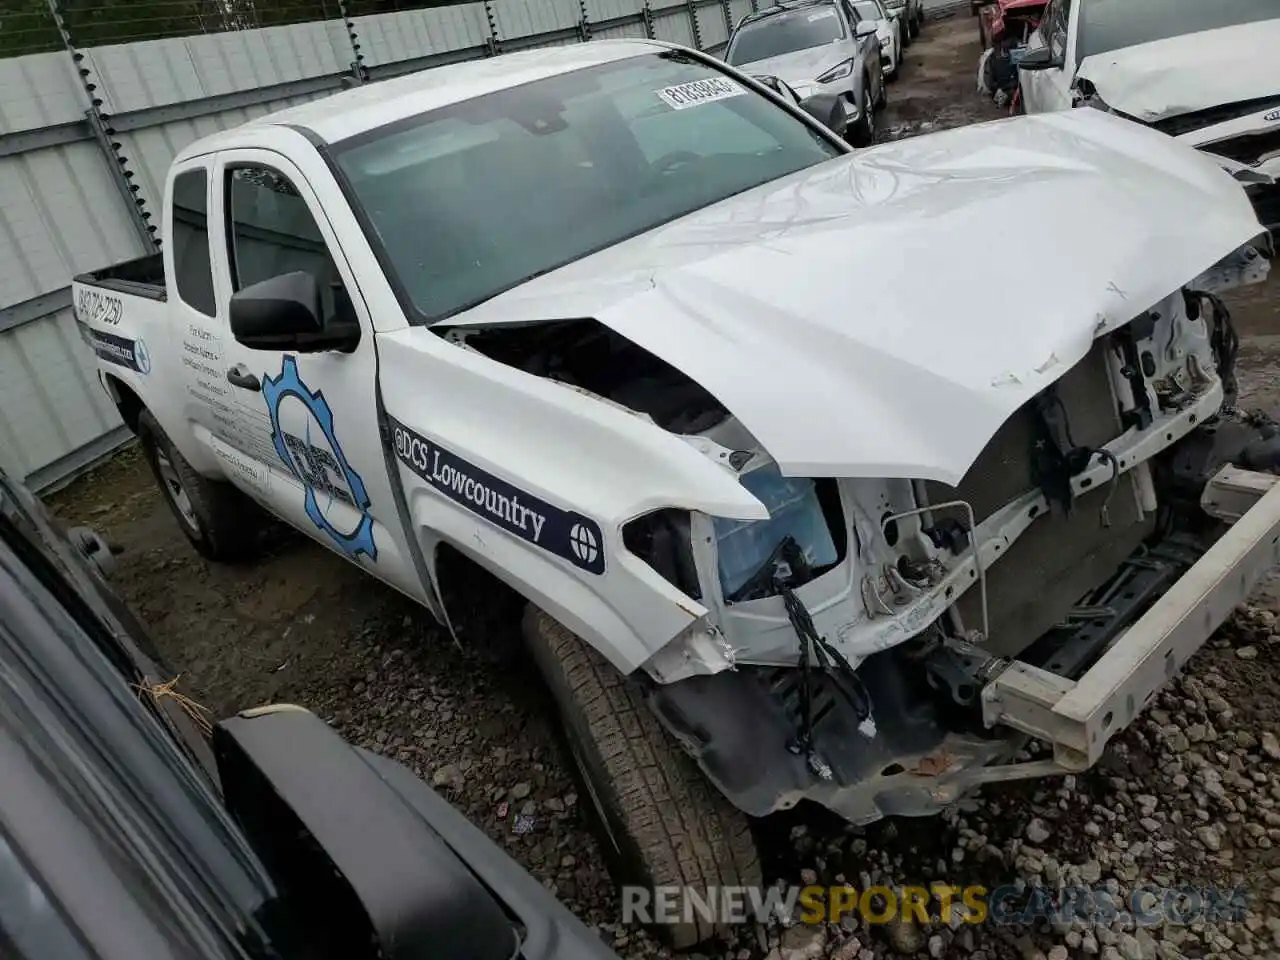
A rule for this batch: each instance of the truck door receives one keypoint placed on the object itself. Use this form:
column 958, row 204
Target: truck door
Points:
column 310, row 436
column 1046, row 91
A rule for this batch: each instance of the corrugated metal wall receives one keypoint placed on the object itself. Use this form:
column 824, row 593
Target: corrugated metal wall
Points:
column 69, row 170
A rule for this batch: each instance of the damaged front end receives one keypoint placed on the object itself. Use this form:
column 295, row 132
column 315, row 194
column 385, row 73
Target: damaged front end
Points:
column 1242, row 137
column 854, row 642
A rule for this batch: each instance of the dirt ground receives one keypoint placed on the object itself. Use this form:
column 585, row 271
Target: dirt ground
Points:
column 302, row 625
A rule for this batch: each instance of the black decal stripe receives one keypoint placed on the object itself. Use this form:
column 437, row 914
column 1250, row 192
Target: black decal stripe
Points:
column 566, row 534
column 112, row 348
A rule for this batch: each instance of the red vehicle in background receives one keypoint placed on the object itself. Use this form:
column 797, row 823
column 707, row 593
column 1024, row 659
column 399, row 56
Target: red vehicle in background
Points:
column 1009, row 20
column 1003, row 29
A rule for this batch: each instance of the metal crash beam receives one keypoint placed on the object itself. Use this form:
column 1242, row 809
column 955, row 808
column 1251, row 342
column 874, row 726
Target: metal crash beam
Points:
column 1080, row 717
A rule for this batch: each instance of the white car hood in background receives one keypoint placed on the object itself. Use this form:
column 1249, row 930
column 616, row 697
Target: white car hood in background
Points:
column 1154, row 81
column 884, row 313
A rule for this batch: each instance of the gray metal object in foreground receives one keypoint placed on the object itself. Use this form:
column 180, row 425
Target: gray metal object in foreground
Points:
column 1079, row 718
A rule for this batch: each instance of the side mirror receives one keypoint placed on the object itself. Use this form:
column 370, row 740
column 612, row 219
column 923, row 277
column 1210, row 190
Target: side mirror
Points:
column 1041, row 58
column 865, row 28
column 780, row 88
column 287, row 313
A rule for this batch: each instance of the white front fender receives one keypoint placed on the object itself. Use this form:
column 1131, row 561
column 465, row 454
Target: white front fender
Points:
column 534, row 481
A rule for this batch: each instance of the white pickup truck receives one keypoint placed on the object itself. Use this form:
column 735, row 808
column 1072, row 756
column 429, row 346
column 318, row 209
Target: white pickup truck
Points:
column 793, row 484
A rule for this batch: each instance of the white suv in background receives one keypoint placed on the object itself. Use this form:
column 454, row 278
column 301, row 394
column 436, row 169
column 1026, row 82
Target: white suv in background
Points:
column 1204, row 71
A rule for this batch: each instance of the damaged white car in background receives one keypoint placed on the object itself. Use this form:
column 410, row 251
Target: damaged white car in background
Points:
column 1204, row 71
column 769, row 510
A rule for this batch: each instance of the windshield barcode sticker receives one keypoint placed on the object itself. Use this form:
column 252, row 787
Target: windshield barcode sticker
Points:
column 699, row 91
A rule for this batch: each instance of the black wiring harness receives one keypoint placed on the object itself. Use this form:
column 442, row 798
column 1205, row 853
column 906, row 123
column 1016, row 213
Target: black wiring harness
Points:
column 1057, row 458
column 1223, row 339
column 791, row 569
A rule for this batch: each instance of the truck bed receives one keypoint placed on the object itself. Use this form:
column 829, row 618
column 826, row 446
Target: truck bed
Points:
column 141, row 277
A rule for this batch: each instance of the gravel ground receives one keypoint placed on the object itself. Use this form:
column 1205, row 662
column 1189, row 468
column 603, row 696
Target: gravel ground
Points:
column 1188, row 796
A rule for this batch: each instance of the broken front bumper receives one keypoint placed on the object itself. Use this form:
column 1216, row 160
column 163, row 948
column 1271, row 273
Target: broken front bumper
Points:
column 737, row 724
column 1079, row 718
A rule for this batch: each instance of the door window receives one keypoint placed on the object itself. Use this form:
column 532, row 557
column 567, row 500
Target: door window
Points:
column 1056, row 26
column 192, row 270
column 272, row 232
column 1046, row 19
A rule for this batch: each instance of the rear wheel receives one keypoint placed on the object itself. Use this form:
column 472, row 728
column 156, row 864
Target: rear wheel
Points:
column 661, row 822
column 220, row 521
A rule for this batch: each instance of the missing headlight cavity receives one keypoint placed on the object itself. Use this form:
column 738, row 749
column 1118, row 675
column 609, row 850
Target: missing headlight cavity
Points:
column 806, row 511
column 588, row 355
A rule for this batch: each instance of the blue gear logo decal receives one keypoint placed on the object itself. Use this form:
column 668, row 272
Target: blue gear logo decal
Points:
column 323, row 471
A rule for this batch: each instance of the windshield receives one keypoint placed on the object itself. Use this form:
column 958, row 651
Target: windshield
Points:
column 1107, row 25
column 868, row 10
column 471, row 200
column 785, row 33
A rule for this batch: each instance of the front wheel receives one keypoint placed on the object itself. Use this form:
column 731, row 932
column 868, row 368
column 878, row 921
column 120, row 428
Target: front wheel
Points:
column 863, row 133
column 661, row 822
column 219, row 521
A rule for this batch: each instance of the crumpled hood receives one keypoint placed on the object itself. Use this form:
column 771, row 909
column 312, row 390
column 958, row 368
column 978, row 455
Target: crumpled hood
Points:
column 1154, row 81
column 882, row 314
column 801, row 67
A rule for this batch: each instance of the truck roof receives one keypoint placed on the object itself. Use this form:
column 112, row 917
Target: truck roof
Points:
column 352, row 112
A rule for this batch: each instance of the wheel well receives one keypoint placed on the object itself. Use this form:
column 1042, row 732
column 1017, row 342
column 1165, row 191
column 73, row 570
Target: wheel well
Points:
column 484, row 612
column 128, row 403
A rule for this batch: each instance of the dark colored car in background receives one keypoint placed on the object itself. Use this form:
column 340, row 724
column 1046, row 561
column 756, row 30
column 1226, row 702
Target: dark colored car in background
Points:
column 126, row 832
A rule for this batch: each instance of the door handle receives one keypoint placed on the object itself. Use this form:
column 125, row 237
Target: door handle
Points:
column 240, row 376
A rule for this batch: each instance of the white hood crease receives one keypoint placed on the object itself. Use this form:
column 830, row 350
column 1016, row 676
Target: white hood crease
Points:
column 1166, row 78
column 883, row 314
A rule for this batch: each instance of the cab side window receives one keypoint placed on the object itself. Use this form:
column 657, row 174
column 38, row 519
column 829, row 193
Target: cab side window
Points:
column 272, row 232
column 1046, row 20
column 192, row 269
column 1055, row 26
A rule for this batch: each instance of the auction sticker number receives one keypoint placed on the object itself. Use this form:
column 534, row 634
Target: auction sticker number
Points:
column 697, row 92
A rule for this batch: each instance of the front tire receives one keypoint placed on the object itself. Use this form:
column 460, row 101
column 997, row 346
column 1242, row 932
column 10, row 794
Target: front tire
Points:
column 218, row 520
column 661, row 822
column 863, row 133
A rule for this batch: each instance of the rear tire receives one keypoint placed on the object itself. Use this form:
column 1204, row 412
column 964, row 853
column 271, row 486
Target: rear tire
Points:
column 661, row 822
column 219, row 521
